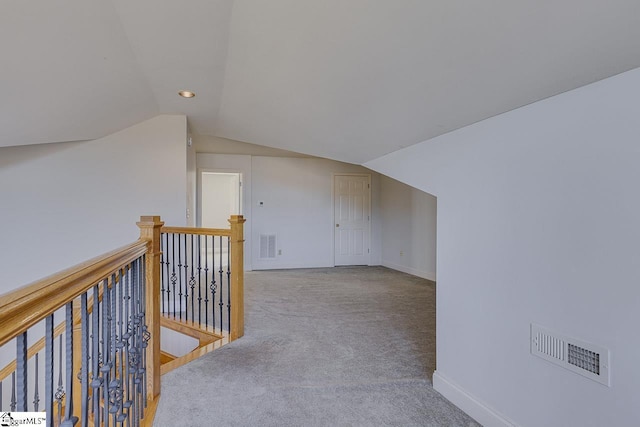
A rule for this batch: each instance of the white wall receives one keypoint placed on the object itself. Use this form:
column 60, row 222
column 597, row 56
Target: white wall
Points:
column 298, row 208
column 408, row 229
column 538, row 221
column 61, row 204
column 297, row 196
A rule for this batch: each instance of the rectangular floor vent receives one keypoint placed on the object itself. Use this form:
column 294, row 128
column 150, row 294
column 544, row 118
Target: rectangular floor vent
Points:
column 267, row 246
column 586, row 359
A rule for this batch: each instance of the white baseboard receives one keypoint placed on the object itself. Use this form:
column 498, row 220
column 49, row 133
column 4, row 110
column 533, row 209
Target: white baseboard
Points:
column 424, row 274
column 469, row 404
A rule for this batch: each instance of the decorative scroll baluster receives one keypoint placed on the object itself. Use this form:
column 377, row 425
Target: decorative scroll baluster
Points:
column 21, row 370
column 84, row 370
column 199, row 283
column 221, row 284
column 180, row 277
column 69, row 419
column 104, row 369
column 168, row 276
column 120, row 347
column 48, row 369
column 96, row 382
column 186, row 282
column 229, row 282
column 192, row 281
column 213, row 286
column 114, row 384
column 206, row 280
column 146, row 335
column 174, row 278
column 13, row 402
column 60, row 390
column 134, row 356
column 163, row 254
column 36, row 396
column 126, row 337
column 140, row 384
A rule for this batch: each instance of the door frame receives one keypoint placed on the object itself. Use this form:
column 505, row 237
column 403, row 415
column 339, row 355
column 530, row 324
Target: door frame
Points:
column 199, row 173
column 333, row 211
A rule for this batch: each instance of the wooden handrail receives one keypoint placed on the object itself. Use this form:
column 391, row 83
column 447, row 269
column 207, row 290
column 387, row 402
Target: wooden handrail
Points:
column 197, row 231
column 26, row 306
column 38, row 346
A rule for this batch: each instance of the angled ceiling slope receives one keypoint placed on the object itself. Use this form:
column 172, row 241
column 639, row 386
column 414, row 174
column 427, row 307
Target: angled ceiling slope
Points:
column 353, row 80
column 68, row 73
column 344, row 80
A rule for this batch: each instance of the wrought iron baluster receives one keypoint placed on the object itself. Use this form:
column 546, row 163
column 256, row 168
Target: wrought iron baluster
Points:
column 21, row 370
column 206, row 280
column 69, row 418
column 213, row 286
column 180, row 276
column 229, row 283
column 84, row 370
column 162, row 278
column 114, row 383
column 106, row 341
column 186, row 281
column 48, row 369
column 146, row 335
column 126, row 339
column 168, row 278
column 120, row 347
column 133, row 348
column 0, row 395
column 140, row 370
column 13, row 402
column 96, row 382
column 174, row 278
column 221, row 284
column 199, row 284
column 192, row 280
column 36, row 396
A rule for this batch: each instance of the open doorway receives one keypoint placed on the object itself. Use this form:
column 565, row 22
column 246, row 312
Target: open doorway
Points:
column 219, row 197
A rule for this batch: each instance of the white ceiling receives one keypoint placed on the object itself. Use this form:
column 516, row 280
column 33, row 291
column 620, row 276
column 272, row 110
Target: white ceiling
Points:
column 345, row 79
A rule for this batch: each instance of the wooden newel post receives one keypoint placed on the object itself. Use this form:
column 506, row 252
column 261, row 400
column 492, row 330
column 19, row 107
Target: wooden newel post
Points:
column 150, row 230
column 237, row 276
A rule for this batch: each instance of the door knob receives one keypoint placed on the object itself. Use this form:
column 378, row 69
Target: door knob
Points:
column 337, row 225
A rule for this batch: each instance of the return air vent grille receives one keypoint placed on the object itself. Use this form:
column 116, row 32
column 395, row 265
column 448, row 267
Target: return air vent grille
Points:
column 583, row 358
column 267, row 246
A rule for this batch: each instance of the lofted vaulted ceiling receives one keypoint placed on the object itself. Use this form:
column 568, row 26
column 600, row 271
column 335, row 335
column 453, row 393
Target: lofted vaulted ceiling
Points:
column 344, row 79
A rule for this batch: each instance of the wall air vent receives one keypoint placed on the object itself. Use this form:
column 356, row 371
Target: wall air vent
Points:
column 583, row 358
column 267, row 246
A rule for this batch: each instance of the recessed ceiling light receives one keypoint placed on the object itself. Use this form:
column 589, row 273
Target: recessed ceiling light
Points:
column 186, row 94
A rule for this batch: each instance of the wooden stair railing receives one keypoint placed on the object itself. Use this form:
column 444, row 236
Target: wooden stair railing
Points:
column 102, row 360
column 82, row 293
column 202, row 286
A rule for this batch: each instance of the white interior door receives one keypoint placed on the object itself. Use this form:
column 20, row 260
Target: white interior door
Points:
column 352, row 217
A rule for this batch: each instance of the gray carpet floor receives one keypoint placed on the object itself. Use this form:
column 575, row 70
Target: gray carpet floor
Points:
column 348, row 346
